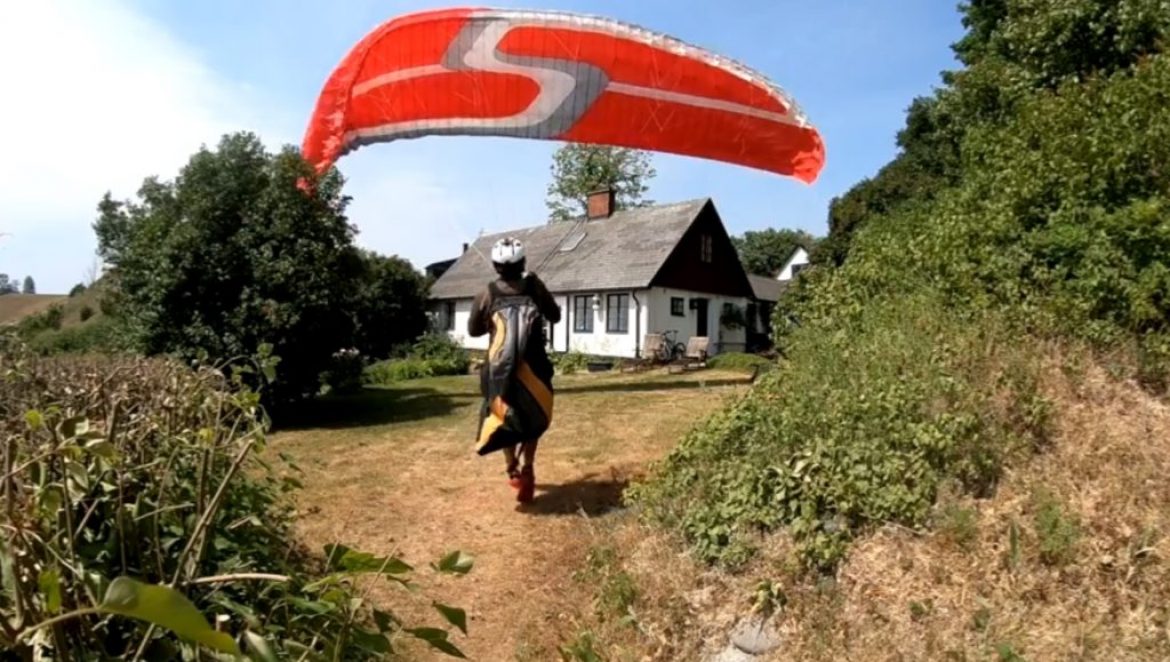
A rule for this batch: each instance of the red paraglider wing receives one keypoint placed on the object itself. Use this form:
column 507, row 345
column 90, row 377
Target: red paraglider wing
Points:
column 556, row 76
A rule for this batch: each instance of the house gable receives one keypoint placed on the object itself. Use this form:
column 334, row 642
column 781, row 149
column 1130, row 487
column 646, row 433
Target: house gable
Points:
column 704, row 260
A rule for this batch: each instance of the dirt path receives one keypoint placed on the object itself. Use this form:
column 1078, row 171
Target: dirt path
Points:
column 393, row 472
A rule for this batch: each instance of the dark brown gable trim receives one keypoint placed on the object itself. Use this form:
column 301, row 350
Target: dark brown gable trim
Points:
column 705, row 260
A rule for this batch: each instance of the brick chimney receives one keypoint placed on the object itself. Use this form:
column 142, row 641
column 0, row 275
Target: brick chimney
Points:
column 600, row 203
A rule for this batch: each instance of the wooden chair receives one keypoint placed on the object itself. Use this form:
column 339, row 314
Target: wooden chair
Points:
column 696, row 354
column 652, row 346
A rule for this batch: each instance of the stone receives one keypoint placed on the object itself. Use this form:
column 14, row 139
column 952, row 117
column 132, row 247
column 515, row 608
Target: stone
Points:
column 755, row 636
column 732, row 654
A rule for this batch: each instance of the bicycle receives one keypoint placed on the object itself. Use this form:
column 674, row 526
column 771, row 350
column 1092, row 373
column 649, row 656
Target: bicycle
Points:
column 670, row 349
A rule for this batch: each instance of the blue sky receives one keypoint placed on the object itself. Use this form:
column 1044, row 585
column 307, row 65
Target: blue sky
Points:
column 142, row 83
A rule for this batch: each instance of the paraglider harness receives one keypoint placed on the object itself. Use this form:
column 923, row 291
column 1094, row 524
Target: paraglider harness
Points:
column 516, row 377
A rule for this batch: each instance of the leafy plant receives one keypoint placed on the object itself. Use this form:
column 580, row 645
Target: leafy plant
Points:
column 568, row 363
column 133, row 487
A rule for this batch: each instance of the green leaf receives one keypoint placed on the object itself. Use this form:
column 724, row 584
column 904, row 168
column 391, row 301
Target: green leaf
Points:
column 102, row 448
column 350, row 560
column 35, row 419
column 456, row 563
column 371, row 641
column 437, row 639
column 49, row 582
column 164, row 607
column 386, row 621
column 72, row 427
column 258, row 647
column 454, row 615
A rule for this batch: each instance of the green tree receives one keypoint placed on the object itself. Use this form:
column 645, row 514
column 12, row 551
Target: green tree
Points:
column 389, row 305
column 7, row 286
column 30, row 286
column 764, row 252
column 77, row 290
column 578, row 169
column 232, row 256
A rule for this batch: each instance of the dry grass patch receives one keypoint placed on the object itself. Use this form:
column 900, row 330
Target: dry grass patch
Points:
column 393, row 471
column 1066, row 561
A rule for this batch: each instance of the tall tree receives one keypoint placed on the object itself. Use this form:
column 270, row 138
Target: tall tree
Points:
column 30, row 286
column 764, row 252
column 579, row 169
column 232, row 256
column 389, row 304
column 7, row 286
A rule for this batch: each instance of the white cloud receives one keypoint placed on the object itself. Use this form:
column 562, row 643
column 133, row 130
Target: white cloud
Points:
column 97, row 97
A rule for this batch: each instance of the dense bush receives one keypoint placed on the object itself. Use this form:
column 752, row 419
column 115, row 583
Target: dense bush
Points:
column 234, row 254
column 434, row 355
column 47, row 320
column 344, row 374
column 1030, row 201
column 103, row 335
column 856, row 428
column 118, row 468
column 568, row 363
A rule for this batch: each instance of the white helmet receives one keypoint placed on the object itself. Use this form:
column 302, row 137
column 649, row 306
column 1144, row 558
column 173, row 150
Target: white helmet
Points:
column 507, row 251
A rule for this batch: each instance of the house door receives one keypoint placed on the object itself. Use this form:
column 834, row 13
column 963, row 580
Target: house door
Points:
column 701, row 318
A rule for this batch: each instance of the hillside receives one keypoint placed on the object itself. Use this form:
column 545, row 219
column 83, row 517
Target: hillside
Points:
column 15, row 307
column 1019, row 241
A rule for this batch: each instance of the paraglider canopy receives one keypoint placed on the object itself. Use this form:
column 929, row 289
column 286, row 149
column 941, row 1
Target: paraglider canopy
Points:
column 550, row 75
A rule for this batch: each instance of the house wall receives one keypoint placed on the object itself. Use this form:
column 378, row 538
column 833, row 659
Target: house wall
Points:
column 601, row 342
column 663, row 319
column 653, row 315
column 798, row 258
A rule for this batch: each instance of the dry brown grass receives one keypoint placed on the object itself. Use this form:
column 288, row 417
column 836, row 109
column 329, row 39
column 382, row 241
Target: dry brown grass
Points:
column 962, row 592
column 394, row 472
column 15, row 307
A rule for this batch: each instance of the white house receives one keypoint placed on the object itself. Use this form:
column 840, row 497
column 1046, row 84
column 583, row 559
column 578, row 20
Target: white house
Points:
column 795, row 263
column 617, row 277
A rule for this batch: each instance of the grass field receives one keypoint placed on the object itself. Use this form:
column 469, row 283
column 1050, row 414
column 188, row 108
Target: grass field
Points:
column 393, row 471
column 15, row 307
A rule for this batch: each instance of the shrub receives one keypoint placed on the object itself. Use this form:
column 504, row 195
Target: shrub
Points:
column 105, row 335
column 85, row 313
column 131, row 467
column 77, row 290
column 434, row 355
column 871, row 422
column 47, row 320
column 568, row 363
column 739, row 361
column 344, row 374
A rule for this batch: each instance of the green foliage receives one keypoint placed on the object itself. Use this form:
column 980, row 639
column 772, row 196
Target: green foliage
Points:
column 1057, row 532
column 47, row 320
column 764, row 252
column 616, row 591
column 29, row 286
column 8, row 285
column 133, row 488
column 959, row 525
column 103, row 335
column 232, row 255
column 389, row 306
column 85, row 313
column 567, row 363
column 579, row 169
column 1029, row 201
column 344, row 374
column 739, row 361
column 875, row 416
column 433, row 355
column 77, row 290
